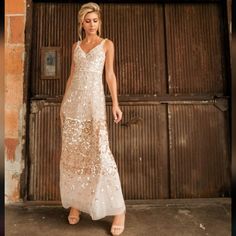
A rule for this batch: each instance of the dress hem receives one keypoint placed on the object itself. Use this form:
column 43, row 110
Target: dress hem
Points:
column 111, row 213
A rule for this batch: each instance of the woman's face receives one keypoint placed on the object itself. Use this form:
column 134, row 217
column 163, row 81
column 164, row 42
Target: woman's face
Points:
column 91, row 23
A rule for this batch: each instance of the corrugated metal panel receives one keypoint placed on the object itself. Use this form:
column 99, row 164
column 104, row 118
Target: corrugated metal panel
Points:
column 192, row 166
column 139, row 146
column 45, row 143
column 139, row 59
column 199, row 158
column 195, row 48
column 140, row 154
column 54, row 25
column 198, row 142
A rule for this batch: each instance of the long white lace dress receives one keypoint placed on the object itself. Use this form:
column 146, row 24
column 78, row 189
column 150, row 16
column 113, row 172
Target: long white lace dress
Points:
column 89, row 179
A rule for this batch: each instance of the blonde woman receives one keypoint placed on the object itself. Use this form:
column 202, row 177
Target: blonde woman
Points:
column 89, row 179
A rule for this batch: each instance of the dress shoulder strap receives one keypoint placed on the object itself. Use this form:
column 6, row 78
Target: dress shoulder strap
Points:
column 77, row 44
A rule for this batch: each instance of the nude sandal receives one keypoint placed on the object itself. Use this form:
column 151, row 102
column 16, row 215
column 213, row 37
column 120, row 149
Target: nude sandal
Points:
column 115, row 228
column 74, row 219
column 119, row 228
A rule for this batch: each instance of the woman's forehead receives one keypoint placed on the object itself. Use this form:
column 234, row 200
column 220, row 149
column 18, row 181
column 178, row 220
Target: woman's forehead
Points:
column 91, row 16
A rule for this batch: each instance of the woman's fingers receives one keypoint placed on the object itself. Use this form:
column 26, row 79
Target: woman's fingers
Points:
column 117, row 116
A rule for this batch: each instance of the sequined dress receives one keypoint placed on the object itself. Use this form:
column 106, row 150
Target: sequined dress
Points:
column 89, row 179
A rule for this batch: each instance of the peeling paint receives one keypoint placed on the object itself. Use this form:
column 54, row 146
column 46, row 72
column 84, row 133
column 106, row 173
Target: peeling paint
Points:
column 10, row 144
column 12, row 187
column 16, row 176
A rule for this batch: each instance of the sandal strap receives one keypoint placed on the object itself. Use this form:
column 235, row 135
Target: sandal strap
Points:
column 118, row 226
column 73, row 217
column 76, row 217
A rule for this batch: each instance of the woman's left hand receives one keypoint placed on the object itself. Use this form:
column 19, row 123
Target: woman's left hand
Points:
column 117, row 113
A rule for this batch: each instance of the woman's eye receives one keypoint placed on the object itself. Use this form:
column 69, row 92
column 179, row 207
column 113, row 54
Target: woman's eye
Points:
column 88, row 21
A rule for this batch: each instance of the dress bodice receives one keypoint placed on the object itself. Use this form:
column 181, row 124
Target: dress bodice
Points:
column 92, row 61
column 84, row 99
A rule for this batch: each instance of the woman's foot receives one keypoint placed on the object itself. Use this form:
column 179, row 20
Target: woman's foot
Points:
column 74, row 217
column 118, row 224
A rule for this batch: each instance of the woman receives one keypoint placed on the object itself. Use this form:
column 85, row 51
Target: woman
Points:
column 89, row 179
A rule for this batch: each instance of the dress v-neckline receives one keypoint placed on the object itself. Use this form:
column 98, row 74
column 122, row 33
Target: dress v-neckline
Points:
column 86, row 53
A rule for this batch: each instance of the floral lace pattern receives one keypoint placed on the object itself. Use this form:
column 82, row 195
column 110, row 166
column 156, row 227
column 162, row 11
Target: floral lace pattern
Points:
column 89, row 179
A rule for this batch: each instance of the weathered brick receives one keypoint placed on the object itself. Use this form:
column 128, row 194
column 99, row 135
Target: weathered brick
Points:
column 15, row 6
column 10, row 146
column 11, row 123
column 14, row 60
column 16, row 29
column 13, row 91
column 12, row 189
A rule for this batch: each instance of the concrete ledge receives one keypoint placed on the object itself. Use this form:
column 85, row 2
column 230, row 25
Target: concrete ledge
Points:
column 150, row 202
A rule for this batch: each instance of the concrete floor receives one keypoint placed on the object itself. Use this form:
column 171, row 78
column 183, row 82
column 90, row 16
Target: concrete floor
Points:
column 171, row 217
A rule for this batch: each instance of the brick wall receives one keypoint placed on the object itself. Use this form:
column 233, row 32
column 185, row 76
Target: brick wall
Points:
column 15, row 16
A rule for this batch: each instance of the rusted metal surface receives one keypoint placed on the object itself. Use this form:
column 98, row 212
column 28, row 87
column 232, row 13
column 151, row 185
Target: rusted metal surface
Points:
column 54, row 25
column 139, row 145
column 45, row 143
column 139, row 61
column 139, row 46
column 140, row 154
column 195, row 48
column 199, row 156
column 173, row 139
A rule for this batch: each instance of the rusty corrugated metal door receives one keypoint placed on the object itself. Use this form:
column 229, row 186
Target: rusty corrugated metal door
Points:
column 168, row 74
column 140, row 143
column 45, row 146
column 198, row 130
column 50, row 29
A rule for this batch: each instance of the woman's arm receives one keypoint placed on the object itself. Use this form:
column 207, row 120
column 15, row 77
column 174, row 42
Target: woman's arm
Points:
column 111, row 80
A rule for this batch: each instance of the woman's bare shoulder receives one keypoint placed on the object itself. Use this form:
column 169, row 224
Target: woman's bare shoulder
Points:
column 109, row 45
column 108, row 41
column 74, row 45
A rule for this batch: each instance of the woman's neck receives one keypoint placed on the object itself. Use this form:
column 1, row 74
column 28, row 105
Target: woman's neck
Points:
column 91, row 38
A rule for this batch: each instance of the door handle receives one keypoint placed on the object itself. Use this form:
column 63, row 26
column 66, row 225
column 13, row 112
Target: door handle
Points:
column 132, row 121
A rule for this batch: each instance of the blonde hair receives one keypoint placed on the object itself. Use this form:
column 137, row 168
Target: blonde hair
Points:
column 87, row 8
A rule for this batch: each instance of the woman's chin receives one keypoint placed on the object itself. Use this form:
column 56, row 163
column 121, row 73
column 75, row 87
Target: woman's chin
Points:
column 91, row 31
